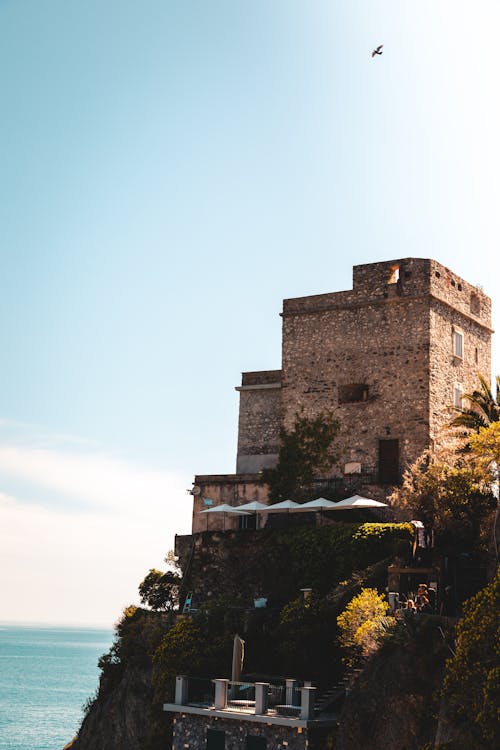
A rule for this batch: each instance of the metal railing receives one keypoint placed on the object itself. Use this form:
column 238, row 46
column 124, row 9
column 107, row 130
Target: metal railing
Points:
column 241, row 696
column 201, row 692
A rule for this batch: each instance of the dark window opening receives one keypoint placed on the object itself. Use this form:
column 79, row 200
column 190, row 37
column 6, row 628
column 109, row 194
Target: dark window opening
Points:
column 247, row 522
column 216, row 740
column 407, row 274
column 476, row 356
column 255, row 743
column 388, row 461
column 453, row 282
column 459, row 287
column 438, row 275
column 353, row 393
column 475, row 304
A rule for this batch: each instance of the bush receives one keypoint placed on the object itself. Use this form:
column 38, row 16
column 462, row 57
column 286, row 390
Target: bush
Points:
column 472, row 681
column 363, row 623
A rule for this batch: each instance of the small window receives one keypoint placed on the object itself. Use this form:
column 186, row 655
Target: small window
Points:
column 394, row 276
column 458, row 395
column 475, row 304
column 476, row 355
column 352, row 393
column 458, row 344
column 253, row 742
column 216, row 740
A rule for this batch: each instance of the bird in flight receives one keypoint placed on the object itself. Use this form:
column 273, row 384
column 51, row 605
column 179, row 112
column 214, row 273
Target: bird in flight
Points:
column 378, row 50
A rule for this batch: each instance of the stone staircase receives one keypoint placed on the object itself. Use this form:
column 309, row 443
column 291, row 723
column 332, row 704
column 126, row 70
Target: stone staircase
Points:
column 333, row 696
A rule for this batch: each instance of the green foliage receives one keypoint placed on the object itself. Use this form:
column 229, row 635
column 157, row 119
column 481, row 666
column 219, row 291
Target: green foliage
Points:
column 472, row 681
column 138, row 635
column 363, row 622
column 159, row 590
column 321, row 557
column 190, row 648
column 449, row 493
column 485, row 447
column 306, row 451
column 306, row 639
column 484, row 408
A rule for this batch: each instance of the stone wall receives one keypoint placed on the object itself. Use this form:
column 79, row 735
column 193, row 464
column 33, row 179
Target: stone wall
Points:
column 389, row 339
column 449, row 371
column 379, row 356
column 383, row 345
column 190, row 732
column 259, row 421
column 233, row 489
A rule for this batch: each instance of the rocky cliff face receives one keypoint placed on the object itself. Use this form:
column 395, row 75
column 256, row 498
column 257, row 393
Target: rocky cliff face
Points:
column 126, row 717
column 395, row 701
column 127, row 714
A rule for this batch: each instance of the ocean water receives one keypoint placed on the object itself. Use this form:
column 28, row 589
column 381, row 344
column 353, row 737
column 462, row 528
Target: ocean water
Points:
column 46, row 675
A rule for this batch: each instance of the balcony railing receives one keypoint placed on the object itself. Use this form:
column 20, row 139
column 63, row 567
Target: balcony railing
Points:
column 288, row 699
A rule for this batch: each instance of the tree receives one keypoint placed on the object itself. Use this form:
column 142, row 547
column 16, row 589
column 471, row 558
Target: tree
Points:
column 485, row 447
column 306, row 451
column 363, row 622
column 472, row 679
column 484, row 408
column 160, row 590
column 448, row 491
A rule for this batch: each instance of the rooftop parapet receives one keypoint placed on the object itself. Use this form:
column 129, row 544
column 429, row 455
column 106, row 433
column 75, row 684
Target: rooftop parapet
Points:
column 398, row 279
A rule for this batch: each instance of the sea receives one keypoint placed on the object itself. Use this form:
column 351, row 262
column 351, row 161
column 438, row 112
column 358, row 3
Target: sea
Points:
column 46, row 676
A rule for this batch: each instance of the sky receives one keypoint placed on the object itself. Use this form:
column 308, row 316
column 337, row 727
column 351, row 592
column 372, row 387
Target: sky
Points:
column 169, row 172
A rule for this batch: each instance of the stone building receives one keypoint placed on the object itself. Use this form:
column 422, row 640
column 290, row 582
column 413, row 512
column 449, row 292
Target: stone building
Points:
column 390, row 358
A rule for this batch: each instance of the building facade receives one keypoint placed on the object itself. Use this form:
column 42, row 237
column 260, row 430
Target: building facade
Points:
column 390, row 358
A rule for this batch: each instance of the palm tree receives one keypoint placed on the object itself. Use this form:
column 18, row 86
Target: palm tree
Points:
column 484, row 407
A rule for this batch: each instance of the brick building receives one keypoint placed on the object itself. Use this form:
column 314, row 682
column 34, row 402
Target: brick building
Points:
column 390, row 358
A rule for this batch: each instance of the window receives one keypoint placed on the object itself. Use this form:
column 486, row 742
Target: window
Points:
column 458, row 343
column 353, row 393
column 388, row 461
column 394, row 275
column 216, row 740
column 247, row 522
column 458, row 394
column 255, row 743
column 475, row 304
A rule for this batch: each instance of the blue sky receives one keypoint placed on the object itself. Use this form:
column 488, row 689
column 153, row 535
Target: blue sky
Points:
column 169, row 172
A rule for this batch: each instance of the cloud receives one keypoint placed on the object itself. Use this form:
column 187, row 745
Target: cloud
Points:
column 82, row 563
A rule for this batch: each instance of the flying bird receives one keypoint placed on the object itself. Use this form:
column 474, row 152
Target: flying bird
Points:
column 377, row 51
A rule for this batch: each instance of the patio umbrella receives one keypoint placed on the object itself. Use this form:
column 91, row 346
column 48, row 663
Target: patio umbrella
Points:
column 320, row 504
column 224, row 508
column 284, row 505
column 356, row 501
column 254, row 506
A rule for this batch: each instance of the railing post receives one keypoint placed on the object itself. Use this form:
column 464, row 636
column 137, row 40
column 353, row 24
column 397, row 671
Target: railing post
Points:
column 307, row 698
column 289, row 691
column 181, row 690
column 261, row 697
column 221, row 693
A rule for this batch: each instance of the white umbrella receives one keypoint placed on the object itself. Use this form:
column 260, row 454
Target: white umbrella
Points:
column 320, row 504
column 284, row 505
column 254, row 506
column 356, row 501
column 224, row 508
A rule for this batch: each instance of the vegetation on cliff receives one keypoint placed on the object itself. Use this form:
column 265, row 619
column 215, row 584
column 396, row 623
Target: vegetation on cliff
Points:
column 472, row 680
column 305, row 451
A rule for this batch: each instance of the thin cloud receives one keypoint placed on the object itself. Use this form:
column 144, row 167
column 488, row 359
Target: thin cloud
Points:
column 81, row 566
column 103, row 482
